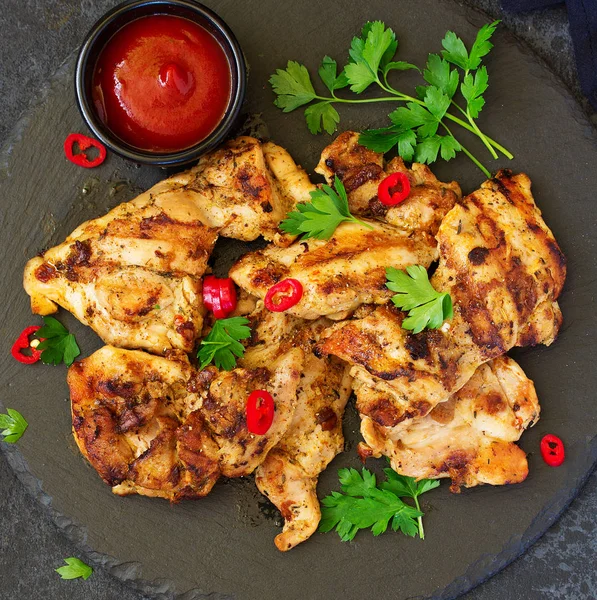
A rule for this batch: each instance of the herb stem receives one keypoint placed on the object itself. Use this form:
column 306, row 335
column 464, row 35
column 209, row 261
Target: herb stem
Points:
column 364, row 101
column 479, row 165
column 419, row 519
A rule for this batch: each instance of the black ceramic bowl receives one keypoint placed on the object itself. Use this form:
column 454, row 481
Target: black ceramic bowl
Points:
column 112, row 22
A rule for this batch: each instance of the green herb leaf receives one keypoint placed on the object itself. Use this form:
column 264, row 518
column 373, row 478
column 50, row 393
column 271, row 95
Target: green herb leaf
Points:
column 415, row 116
column 13, row 425
column 473, row 88
column 428, row 149
column 222, row 343
column 427, row 308
column 320, row 217
column 437, row 103
column 399, row 65
column 322, row 116
column 482, row 45
column 327, row 71
column 439, row 74
column 380, row 45
column 408, row 487
column 363, row 505
column 455, row 50
column 58, row 344
column 74, row 569
column 359, row 76
column 293, row 86
column 449, row 146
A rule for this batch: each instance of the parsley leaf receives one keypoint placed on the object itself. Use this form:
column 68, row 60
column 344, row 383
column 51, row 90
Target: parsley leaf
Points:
column 482, row 45
column 322, row 116
column 408, row 487
column 439, row 74
column 427, row 307
column 455, row 51
column 58, row 344
column 320, row 217
column 363, row 504
column 473, row 88
column 222, row 343
column 293, row 86
column 327, row 71
column 13, row 425
column 74, row 569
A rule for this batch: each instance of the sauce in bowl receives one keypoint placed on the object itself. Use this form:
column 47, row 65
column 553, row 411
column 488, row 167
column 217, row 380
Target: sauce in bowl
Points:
column 162, row 83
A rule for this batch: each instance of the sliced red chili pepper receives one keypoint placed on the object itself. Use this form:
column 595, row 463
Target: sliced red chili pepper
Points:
column 393, row 189
column 260, row 412
column 552, row 450
column 283, row 295
column 219, row 295
column 85, row 143
column 23, row 343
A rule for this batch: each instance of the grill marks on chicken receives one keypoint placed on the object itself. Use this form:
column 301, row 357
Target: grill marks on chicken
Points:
column 504, row 270
column 361, row 171
column 133, row 275
column 470, row 437
column 338, row 274
column 288, row 476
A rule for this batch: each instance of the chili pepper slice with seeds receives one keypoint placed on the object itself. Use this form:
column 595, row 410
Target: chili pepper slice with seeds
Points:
column 552, row 450
column 23, row 343
column 283, row 295
column 219, row 296
column 393, row 189
column 260, row 412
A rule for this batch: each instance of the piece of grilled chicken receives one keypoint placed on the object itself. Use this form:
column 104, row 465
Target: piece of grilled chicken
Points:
column 340, row 274
column 470, row 438
column 337, row 275
column 362, row 170
column 156, row 427
column 245, row 188
column 133, row 275
column 504, row 271
column 136, row 421
column 288, row 476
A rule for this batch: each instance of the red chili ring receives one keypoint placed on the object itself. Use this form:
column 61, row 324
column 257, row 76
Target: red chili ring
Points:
column 219, row 295
column 552, row 450
column 22, row 343
column 284, row 295
column 387, row 191
column 260, row 412
column 84, row 142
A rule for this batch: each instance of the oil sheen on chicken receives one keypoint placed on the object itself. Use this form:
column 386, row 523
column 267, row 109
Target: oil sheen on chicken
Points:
column 470, row 438
column 504, row 271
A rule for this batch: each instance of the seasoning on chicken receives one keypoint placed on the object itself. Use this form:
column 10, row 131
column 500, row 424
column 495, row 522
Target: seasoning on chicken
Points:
column 340, row 274
column 245, row 189
column 288, row 477
column 135, row 419
column 132, row 275
column 337, row 275
column 361, row 171
column 470, row 438
column 504, row 271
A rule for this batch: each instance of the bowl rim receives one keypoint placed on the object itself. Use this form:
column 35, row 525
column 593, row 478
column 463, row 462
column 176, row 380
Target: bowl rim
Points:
column 237, row 94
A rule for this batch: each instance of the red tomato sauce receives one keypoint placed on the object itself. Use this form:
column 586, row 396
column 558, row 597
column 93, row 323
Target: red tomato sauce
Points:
column 162, row 83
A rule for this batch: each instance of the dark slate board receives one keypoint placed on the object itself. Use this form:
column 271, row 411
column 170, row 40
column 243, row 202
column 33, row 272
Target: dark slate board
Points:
column 222, row 546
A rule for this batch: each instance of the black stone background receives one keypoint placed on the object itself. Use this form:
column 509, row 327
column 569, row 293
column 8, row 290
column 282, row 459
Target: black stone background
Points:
column 36, row 36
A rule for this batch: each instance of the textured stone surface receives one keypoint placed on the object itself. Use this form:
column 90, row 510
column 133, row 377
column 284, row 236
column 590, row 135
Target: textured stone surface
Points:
column 37, row 36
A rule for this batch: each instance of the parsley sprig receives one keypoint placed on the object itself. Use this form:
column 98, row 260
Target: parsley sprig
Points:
column 320, row 217
column 427, row 307
column 363, row 504
column 222, row 344
column 74, row 569
column 414, row 127
column 13, row 425
column 58, row 344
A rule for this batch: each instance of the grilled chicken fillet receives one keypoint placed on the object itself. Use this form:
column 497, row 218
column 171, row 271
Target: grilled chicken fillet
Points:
column 504, row 271
column 469, row 438
column 288, row 476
